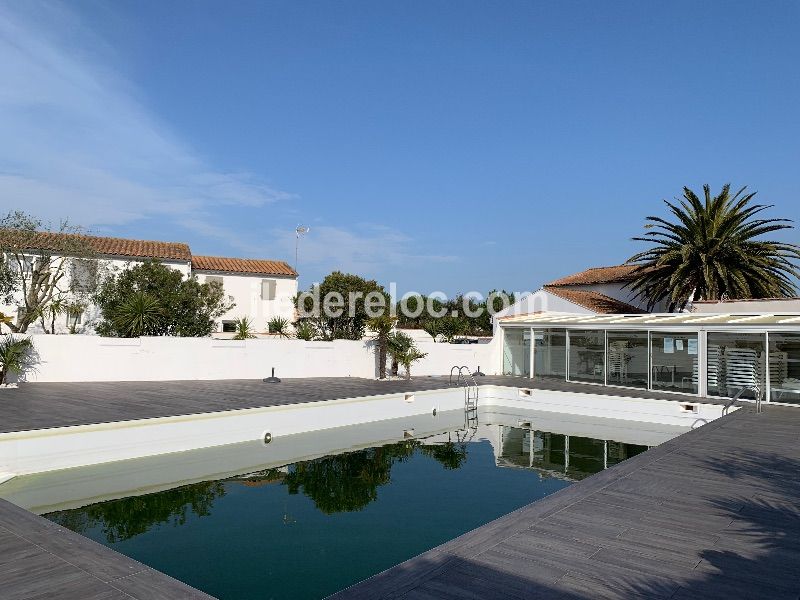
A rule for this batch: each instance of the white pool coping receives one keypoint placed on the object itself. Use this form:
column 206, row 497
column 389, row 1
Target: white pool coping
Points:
column 39, row 451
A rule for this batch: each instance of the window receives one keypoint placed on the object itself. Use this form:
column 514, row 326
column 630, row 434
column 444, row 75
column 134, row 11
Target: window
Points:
column 627, row 358
column 83, row 275
column 784, row 367
column 229, row 326
column 213, row 279
column 74, row 317
column 735, row 363
column 673, row 362
column 517, row 352
column 550, row 354
column 268, row 289
column 587, row 351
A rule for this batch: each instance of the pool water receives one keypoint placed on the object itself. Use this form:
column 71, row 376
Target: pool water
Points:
column 313, row 527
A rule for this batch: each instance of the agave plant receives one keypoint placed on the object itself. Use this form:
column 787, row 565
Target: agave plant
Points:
column 279, row 326
column 244, row 329
column 305, row 330
column 140, row 314
column 16, row 356
column 712, row 251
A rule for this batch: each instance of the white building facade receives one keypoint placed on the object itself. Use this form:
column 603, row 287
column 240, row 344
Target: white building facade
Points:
column 259, row 289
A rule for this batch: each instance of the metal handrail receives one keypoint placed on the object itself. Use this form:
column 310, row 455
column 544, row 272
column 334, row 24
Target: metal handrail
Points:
column 461, row 377
column 735, row 399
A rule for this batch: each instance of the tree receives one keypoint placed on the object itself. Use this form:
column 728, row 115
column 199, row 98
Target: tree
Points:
column 341, row 312
column 153, row 299
column 38, row 265
column 409, row 357
column 382, row 327
column 397, row 344
column 712, row 251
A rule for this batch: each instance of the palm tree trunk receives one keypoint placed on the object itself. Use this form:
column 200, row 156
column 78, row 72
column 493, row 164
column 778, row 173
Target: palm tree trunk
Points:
column 382, row 359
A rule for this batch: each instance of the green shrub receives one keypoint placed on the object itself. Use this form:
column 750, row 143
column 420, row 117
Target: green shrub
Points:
column 244, row 329
column 16, row 356
column 280, row 326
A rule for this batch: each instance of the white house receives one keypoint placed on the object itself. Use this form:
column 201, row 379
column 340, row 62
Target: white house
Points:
column 598, row 290
column 260, row 289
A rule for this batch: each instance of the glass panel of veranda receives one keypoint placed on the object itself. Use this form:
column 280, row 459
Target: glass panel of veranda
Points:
column 626, row 363
column 784, row 367
column 587, row 350
column 550, row 354
column 517, row 352
column 674, row 361
column 736, row 363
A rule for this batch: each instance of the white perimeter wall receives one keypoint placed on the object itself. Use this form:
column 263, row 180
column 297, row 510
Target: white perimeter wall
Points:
column 93, row 358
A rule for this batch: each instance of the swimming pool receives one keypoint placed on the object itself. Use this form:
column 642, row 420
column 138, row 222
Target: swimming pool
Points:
column 309, row 514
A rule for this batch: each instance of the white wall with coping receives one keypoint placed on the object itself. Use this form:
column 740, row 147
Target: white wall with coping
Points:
column 645, row 410
column 65, row 358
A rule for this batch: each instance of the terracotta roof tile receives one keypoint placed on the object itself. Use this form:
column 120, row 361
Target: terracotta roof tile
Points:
column 616, row 274
column 594, row 301
column 242, row 265
column 69, row 243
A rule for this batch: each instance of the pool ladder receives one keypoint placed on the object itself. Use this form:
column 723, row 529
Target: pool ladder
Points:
column 752, row 388
column 465, row 379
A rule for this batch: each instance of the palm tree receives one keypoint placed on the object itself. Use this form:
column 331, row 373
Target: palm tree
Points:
column 398, row 343
column 381, row 327
column 409, row 357
column 712, row 252
column 16, row 356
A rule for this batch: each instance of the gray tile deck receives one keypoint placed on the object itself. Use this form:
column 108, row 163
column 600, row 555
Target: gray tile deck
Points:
column 39, row 559
column 713, row 513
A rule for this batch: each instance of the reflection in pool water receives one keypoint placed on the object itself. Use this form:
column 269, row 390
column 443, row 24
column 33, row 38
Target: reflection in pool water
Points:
column 317, row 525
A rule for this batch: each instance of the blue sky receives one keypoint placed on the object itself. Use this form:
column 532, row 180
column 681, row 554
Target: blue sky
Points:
column 447, row 146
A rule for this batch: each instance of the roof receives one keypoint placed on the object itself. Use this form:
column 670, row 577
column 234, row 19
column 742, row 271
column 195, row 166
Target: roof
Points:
column 70, row 243
column 594, row 301
column 728, row 300
column 666, row 320
column 616, row 274
column 242, row 265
